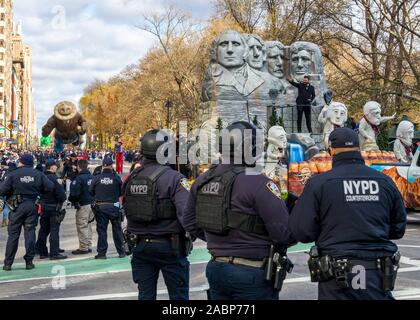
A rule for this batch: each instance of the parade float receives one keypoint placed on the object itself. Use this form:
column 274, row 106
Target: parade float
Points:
column 248, row 82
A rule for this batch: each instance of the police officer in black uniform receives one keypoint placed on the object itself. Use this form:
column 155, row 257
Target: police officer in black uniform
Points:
column 82, row 200
column 23, row 187
column 154, row 200
column 245, row 222
column 352, row 213
column 51, row 215
column 106, row 190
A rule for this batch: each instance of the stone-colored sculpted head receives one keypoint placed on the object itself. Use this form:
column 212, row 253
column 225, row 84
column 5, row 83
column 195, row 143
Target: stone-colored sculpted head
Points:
column 337, row 113
column 277, row 136
column 65, row 110
column 231, row 49
column 372, row 110
column 257, row 51
column 275, row 58
column 305, row 59
column 405, row 132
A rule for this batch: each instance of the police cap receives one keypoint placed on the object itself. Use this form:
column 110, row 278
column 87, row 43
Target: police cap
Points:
column 344, row 138
column 27, row 159
column 50, row 163
column 107, row 161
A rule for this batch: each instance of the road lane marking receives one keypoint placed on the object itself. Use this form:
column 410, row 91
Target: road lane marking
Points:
column 399, row 295
column 127, row 294
column 90, row 266
column 115, row 265
column 411, row 262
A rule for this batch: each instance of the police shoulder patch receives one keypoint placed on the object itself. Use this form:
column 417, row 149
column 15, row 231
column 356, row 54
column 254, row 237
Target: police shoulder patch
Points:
column 184, row 183
column 273, row 188
column 74, row 182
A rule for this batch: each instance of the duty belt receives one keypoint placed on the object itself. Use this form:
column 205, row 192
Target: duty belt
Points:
column 241, row 261
column 350, row 263
column 153, row 239
column 103, row 202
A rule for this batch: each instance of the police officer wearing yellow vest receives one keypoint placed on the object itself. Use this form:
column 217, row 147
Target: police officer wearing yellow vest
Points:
column 245, row 223
column 154, row 201
column 352, row 213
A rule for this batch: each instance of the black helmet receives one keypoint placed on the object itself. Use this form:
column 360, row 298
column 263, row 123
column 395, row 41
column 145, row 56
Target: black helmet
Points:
column 240, row 138
column 151, row 142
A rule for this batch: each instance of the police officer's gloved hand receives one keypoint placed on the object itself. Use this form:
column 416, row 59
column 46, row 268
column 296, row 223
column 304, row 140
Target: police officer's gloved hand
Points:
column 76, row 205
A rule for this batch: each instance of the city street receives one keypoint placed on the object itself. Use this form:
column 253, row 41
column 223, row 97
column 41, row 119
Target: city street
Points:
column 89, row 279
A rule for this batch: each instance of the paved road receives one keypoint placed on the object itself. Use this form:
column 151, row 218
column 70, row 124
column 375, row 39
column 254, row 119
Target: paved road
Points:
column 88, row 279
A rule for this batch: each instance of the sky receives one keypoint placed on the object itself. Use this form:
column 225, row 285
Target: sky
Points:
column 77, row 41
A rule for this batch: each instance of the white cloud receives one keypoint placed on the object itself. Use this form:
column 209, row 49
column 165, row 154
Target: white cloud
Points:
column 95, row 39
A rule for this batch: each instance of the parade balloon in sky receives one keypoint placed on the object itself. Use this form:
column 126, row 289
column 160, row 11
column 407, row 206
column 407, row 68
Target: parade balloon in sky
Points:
column 67, row 126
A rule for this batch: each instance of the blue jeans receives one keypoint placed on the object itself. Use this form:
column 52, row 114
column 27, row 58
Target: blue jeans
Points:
column 26, row 216
column 328, row 290
column 6, row 212
column 150, row 258
column 236, row 282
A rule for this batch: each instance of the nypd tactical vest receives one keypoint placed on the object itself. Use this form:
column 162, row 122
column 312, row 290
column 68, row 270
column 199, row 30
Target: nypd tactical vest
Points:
column 141, row 203
column 213, row 205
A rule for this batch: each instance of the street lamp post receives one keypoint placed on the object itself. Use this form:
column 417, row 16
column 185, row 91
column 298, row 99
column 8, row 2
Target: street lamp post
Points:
column 168, row 105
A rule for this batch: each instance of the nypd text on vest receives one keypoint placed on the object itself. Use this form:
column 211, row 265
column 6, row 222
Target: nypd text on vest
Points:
column 361, row 190
column 107, row 181
column 138, row 189
column 211, row 188
column 27, row 179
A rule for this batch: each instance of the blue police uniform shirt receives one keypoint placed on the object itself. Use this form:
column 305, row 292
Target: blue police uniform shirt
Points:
column 106, row 187
column 79, row 189
column 27, row 182
column 253, row 194
column 351, row 211
column 58, row 195
column 173, row 185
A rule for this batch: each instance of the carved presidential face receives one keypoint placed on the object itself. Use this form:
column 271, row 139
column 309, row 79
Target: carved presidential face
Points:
column 231, row 50
column 275, row 62
column 300, row 64
column 277, row 136
column 409, row 135
column 256, row 56
column 405, row 132
column 337, row 114
column 374, row 115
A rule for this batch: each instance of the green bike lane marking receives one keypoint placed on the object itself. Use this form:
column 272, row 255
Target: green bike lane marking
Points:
column 90, row 266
